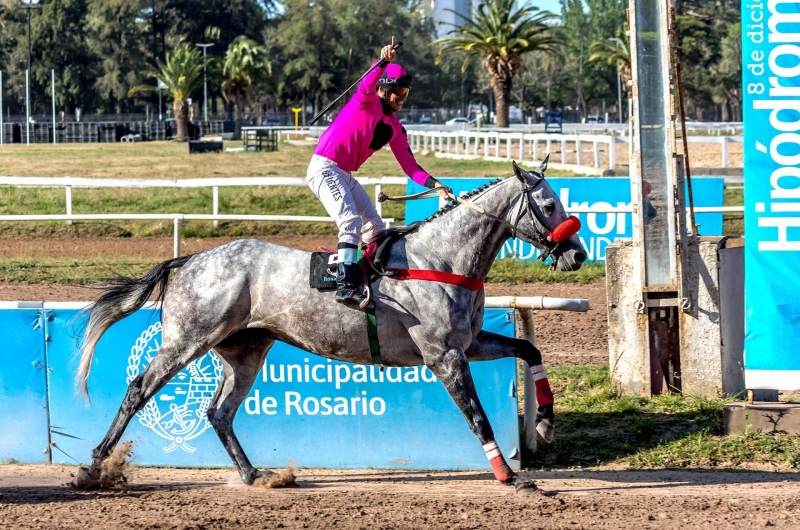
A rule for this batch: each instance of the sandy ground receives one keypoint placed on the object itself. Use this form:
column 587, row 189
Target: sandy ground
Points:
column 36, row 497
column 563, row 337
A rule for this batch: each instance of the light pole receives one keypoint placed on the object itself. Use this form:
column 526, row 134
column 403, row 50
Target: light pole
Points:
column 161, row 85
column 205, row 83
column 28, row 5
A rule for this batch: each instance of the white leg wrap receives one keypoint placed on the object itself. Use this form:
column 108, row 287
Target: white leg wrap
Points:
column 491, row 450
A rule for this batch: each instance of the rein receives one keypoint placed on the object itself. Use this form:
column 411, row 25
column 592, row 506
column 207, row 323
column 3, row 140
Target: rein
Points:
column 550, row 246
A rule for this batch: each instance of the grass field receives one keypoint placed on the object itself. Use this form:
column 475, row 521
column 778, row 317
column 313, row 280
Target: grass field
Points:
column 171, row 160
column 594, row 426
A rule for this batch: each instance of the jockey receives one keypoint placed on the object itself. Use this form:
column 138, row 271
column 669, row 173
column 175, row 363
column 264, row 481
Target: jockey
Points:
column 366, row 124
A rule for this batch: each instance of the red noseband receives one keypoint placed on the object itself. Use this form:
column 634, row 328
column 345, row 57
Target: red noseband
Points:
column 566, row 229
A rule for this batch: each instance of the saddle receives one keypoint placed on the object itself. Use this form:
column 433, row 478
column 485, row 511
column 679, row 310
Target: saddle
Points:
column 322, row 274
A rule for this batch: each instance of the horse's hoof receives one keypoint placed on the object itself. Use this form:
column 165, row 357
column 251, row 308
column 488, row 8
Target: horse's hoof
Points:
column 284, row 478
column 86, row 479
column 546, row 429
column 526, row 487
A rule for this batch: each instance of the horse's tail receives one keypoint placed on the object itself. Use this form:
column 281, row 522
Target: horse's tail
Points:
column 118, row 301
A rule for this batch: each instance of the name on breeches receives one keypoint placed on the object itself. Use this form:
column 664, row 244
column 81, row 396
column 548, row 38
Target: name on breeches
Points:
column 334, row 376
column 773, row 65
column 333, row 184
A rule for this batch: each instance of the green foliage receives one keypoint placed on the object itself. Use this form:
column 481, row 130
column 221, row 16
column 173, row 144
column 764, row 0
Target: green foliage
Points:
column 595, row 427
column 513, row 271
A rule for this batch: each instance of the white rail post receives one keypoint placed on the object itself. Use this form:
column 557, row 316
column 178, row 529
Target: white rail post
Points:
column 449, row 136
column 522, row 147
column 176, row 241
column 485, row 145
column 425, row 143
column 612, row 152
column 508, row 148
column 549, row 145
column 68, row 196
column 563, row 150
column 529, row 408
column 458, row 143
column 596, row 148
column 215, row 204
column 378, row 204
column 535, row 149
column 578, row 148
column 724, row 142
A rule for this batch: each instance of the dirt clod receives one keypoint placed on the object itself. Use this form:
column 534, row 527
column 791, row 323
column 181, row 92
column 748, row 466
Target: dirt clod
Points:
column 284, row 478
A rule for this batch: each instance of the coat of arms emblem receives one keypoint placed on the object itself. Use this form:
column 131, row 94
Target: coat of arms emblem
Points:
column 178, row 412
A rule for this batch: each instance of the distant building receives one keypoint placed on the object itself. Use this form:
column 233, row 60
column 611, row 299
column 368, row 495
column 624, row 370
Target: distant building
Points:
column 444, row 14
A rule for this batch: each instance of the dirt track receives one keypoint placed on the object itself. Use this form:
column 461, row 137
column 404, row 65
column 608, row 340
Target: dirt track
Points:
column 35, row 497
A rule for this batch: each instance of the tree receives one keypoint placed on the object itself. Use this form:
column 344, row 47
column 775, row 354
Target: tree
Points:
column 245, row 64
column 615, row 51
column 501, row 35
column 183, row 74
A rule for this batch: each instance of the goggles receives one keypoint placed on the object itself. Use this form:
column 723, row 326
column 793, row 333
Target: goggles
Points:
column 401, row 91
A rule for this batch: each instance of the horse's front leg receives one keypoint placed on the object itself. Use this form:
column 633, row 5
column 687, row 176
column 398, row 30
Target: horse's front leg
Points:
column 452, row 369
column 488, row 346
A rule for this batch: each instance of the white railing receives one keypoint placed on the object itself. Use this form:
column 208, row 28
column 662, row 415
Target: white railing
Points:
column 522, row 147
column 68, row 183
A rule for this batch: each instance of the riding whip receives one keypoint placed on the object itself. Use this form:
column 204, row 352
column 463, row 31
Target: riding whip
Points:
column 381, row 63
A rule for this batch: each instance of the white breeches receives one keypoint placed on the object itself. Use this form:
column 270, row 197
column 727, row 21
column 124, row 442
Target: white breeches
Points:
column 344, row 200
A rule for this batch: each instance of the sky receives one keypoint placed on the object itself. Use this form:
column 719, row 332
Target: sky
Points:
column 549, row 5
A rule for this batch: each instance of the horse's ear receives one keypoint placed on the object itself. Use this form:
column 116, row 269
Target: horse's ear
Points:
column 518, row 172
column 543, row 166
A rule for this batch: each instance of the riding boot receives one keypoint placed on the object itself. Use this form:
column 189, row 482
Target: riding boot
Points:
column 348, row 284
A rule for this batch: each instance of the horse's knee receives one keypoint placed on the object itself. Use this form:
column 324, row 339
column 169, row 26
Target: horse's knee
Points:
column 529, row 353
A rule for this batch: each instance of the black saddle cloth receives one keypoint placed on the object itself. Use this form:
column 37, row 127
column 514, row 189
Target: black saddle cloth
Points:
column 320, row 277
column 322, row 271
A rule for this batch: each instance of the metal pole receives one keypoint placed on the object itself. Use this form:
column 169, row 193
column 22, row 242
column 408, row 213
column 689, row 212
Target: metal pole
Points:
column 529, row 408
column 215, row 204
column 2, row 129
column 619, row 95
column 68, row 197
column 27, row 107
column 205, row 87
column 53, row 92
column 159, row 103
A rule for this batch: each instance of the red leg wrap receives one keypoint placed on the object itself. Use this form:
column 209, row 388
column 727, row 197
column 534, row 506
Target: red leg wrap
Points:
column 501, row 470
column 544, row 396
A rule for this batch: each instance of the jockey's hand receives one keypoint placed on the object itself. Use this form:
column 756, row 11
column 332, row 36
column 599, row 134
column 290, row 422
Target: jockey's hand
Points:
column 388, row 53
column 443, row 190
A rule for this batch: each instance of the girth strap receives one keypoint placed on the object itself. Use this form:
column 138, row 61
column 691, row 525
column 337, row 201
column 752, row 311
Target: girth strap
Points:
column 472, row 284
column 372, row 335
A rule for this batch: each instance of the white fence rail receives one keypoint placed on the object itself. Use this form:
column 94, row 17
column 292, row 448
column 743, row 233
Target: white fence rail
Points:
column 68, row 183
column 524, row 147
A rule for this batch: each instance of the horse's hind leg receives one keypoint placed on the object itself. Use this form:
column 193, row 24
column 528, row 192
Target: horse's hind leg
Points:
column 488, row 346
column 171, row 358
column 242, row 356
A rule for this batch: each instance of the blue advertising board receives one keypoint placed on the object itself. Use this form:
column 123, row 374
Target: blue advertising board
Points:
column 23, row 387
column 771, row 84
column 598, row 230
column 302, row 408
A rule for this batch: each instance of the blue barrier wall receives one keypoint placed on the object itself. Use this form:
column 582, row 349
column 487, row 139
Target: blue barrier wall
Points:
column 23, row 388
column 302, row 408
column 597, row 230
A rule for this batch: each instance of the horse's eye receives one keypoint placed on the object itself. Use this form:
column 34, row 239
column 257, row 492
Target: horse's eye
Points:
column 549, row 207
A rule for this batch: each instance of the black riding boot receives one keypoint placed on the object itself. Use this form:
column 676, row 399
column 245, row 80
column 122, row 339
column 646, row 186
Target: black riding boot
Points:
column 348, row 284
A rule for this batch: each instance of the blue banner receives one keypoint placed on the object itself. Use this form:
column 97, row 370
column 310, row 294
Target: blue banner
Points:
column 302, row 408
column 598, row 230
column 23, row 387
column 771, row 83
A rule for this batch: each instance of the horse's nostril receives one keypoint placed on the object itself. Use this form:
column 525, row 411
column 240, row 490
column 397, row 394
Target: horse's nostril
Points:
column 580, row 257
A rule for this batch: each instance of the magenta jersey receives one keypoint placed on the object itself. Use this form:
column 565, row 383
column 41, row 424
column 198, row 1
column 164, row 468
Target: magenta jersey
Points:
column 362, row 127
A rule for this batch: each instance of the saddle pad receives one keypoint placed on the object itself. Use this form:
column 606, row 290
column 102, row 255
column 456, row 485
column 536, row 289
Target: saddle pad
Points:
column 319, row 277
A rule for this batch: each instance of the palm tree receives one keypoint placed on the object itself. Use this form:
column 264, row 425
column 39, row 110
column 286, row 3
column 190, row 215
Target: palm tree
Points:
column 245, row 64
column 501, row 35
column 182, row 73
column 615, row 50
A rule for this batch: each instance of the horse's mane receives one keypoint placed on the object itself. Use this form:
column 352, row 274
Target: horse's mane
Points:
column 451, row 205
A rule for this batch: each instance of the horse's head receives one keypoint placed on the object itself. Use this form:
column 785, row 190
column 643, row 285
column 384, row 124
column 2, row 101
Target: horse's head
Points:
column 545, row 224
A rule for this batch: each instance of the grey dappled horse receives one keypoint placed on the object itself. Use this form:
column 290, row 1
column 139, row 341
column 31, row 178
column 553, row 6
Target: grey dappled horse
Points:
column 239, row 298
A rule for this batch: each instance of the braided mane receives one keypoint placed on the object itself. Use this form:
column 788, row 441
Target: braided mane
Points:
column 450, row 205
